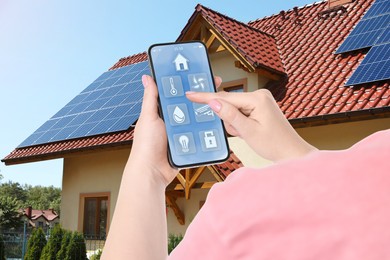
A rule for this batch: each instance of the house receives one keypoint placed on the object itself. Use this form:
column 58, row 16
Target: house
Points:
column 292, row 53
column 181, row 63
column 40, row 218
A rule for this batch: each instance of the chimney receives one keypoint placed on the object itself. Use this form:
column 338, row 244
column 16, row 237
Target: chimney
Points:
column 334, row 3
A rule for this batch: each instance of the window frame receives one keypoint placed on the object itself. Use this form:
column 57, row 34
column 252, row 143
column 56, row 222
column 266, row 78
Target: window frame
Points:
column 234, row 85
column 99, row 196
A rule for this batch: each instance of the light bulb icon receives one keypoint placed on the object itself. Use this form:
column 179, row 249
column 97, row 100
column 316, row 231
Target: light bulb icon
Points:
column 183, row 140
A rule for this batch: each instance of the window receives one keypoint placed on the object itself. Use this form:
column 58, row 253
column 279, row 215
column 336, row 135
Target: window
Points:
column 234, row 86
column 95, row 215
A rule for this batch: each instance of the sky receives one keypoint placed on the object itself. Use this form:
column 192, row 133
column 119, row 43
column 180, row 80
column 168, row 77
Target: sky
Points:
column 51, row 50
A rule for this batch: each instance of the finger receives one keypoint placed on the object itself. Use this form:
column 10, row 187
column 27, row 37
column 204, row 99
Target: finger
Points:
column 217, row 81
column 239, row 100
column 230, row 129
column 149, row 102
column 238, row 123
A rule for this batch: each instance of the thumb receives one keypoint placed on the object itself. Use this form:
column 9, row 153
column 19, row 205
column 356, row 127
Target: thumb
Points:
column 233, row 117
column 149, row 102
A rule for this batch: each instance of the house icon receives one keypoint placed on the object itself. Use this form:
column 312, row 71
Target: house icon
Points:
column 181, row 63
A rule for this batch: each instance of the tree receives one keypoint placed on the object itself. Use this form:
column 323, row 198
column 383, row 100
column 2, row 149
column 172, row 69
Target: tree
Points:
column 66, row 236
column 13, row 190
column 53, row 244
column 76, row 249
column 35, row 245
column 9, row 215
column 2, row 248
column 40, row 197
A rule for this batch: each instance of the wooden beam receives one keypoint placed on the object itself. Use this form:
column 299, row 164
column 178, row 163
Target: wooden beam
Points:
column 187, row 188
column 196, row 176
column 171, row 201
column 210, row 41
column 215, row 174
column 181, row 179
column 200, row 185
column 203, row 33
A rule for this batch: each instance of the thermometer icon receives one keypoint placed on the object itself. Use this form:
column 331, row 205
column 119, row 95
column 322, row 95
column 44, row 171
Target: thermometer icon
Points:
column 173, row 90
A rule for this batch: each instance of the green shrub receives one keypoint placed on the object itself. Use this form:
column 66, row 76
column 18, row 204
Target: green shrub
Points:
column 53, row 244
column 66, row 236
column 76, row 249
column 35, row 244
column 173, row 241
column 2, row 248
column 97, row 255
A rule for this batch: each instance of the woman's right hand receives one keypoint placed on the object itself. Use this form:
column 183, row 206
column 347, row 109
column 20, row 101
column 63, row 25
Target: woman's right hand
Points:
column 256, row 118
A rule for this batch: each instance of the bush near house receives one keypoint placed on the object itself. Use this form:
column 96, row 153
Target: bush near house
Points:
column 173, row 241
column 66, row 236
column 76, row 249
column 2, row 248
column 35, row 245
column 53, row 244
column 97, row 255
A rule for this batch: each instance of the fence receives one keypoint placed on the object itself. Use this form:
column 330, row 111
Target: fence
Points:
column 15, row 243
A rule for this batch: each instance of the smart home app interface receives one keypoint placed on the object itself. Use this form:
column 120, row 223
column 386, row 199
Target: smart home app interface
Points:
column 195, row 134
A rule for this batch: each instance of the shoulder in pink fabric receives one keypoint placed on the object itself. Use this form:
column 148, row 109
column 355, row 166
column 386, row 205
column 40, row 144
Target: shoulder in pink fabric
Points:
column 327, row 205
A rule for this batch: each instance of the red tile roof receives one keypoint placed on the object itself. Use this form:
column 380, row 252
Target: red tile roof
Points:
column 48, row 214
column 314, row 88
column 307, row 38
column 259, row 48
column 59, row 149
column 136, row 58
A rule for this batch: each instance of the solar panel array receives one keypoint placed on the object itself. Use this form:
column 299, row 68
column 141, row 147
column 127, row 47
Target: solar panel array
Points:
column 372, row 31
column 374, row 67
column 109, row 104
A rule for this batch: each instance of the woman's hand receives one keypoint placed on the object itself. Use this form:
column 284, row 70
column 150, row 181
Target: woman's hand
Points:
column 150, row 139
column 256, row 118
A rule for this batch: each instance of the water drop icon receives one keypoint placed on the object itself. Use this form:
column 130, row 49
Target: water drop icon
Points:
column 178, row 115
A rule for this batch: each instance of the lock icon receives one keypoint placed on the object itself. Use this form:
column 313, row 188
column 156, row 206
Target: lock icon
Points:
column 210, row 140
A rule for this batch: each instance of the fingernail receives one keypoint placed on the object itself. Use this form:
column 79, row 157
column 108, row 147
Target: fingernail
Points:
column 190, row 92
column 145, row 80
column 215, row 105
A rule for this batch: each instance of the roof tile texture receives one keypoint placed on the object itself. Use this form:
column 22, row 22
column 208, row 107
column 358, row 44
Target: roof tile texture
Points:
column 316, row 76
column 256, row 46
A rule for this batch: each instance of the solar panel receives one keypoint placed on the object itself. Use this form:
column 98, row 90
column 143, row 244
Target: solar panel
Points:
column 374, row 67
column 370, row 28
column 111, row 103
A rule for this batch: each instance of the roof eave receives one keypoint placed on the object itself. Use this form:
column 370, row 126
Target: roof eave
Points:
column 343, row 117
column 64, row 153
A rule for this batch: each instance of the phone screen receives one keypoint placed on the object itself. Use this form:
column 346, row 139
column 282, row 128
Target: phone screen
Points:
column 196, row 135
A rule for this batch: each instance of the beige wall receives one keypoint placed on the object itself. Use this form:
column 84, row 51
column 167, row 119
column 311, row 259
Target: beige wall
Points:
column 99, row 172
column 223, row 65
column 341, row 136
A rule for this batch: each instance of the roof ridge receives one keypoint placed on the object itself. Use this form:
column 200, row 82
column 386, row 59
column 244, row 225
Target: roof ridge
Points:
column 133, row 56
column 288, row 10
column 134, row 59
column 199, row 8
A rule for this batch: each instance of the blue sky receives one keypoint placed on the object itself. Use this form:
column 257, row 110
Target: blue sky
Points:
column 51, row 50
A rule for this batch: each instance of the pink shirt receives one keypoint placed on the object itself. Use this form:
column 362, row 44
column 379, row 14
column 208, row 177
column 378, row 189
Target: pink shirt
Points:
column 327, row 205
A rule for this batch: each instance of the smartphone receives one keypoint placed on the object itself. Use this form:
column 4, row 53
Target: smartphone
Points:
column 196, row 136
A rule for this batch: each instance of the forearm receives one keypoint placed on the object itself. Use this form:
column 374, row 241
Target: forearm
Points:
column 138, row 229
